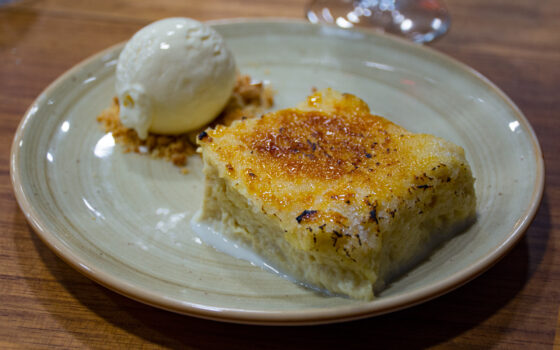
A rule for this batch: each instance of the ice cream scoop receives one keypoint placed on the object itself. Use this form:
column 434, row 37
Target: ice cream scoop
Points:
column 173, row 76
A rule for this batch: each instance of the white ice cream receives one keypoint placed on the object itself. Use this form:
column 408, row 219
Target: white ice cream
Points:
column 175, row 75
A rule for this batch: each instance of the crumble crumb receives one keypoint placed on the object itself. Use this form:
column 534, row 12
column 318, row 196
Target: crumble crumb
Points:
column 249, row 99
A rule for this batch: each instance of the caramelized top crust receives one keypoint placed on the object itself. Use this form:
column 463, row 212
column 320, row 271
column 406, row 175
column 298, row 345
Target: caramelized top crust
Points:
column 323, row 146
column 329, row 170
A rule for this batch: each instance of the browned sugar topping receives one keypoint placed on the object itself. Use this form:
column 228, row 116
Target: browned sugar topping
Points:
column 320, row 145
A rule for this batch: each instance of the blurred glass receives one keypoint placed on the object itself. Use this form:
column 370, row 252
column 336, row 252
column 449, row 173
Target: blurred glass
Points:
column 418, row 20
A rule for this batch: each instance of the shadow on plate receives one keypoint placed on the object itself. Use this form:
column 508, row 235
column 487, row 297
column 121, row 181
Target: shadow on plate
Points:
column 435, row 322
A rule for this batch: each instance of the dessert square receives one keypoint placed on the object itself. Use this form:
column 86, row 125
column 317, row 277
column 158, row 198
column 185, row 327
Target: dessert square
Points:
column 332, row 195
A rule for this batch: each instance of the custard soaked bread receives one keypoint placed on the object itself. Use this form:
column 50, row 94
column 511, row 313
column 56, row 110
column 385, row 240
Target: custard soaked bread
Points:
column 333, row 195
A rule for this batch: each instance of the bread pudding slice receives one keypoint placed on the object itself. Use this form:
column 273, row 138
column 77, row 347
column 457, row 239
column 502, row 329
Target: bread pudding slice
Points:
column 334, row 196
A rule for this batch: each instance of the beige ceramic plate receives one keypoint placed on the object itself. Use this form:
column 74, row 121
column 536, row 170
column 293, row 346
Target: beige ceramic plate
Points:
column 123, row 219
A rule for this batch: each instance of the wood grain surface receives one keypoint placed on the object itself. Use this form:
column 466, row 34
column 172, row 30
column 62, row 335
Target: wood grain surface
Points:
column 44, row 303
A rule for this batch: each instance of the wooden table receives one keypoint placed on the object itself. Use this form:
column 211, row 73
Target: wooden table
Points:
column 46, row 304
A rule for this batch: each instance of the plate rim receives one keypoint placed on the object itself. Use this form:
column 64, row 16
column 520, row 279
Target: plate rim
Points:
column 308, row 316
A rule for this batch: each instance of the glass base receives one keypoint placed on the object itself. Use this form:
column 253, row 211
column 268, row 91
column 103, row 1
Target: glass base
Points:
column 421, row 21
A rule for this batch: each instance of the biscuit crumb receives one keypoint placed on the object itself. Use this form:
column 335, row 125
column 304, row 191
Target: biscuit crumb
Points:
column 249, row 99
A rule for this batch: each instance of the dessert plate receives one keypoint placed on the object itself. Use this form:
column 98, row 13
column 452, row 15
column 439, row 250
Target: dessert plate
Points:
column 123, row 219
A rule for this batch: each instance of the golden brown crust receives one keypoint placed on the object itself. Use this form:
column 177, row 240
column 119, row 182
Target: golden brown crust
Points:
column 320, row 145
column 331, row 146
